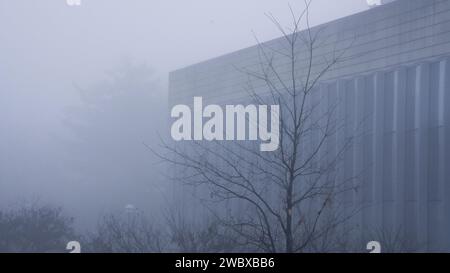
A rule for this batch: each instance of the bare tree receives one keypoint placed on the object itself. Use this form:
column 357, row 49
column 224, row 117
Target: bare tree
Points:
column 134, row 233
column 131, row 233
column 206, row 236
column 289, row 200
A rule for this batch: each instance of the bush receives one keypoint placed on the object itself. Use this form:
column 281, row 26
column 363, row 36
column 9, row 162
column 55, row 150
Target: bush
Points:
column 35, row 229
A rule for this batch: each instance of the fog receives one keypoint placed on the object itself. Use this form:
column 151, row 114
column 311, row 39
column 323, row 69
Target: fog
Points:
column 83, row 88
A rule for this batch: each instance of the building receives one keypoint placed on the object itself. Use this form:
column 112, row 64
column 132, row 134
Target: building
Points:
column 396, row 71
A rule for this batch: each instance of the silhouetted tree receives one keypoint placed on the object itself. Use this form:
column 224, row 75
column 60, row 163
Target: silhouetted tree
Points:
column 106, row 134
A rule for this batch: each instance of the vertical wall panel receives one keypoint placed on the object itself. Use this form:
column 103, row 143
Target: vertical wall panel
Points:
column 340, row 140
column 421, row 167
column 368, row 183
column 441, row 163
column 410, row 155
column 400, row 147
column 358, row 156
column 432, row 179
column 378, row 149
column 445, row 148
column 349, row 117
column 388, row 152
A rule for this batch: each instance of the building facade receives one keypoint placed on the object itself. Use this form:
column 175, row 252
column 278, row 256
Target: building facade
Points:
column 395, row 74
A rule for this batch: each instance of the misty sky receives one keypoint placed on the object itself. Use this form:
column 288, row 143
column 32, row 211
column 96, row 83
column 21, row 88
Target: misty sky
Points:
column 47, row 46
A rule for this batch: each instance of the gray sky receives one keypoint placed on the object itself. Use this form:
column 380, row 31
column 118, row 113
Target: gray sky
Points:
column 46, row 46
column 169, row 34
